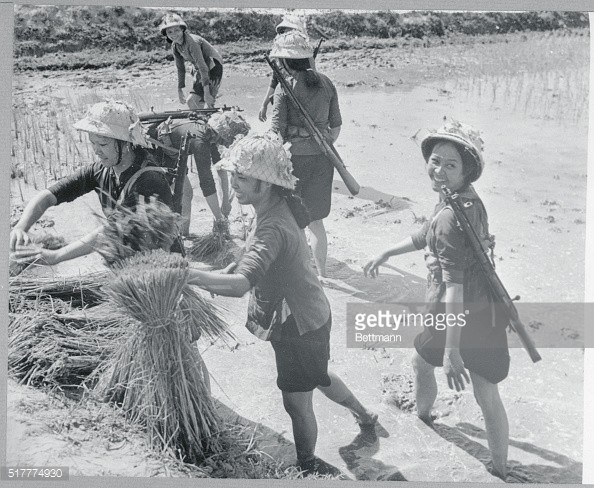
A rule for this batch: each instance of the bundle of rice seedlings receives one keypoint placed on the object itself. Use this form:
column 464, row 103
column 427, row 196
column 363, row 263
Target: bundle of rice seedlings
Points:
column 62, row 349
column 210, row 245
column 29, row 293
column 46, row 241
column 149, row 226
column 156, row 375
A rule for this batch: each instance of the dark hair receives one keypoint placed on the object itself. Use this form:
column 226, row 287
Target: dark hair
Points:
column 296, row 206
column 470, row 166
column 312, row 79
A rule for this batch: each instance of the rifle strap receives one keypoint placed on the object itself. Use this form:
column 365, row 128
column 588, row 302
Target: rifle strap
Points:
column 134, row 178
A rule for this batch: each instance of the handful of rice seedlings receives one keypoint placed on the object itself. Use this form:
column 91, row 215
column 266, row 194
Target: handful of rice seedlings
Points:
column 210, row 246
column 150, row 226
column 46, row 241
column 156, row 375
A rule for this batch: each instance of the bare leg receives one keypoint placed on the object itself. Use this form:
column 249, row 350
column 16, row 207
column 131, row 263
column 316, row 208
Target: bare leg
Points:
column 213, row 204
column 496, row 425
column 186, row 212
column 425, row 387
column 339, row 393
column 299, row 406
column 319, row 245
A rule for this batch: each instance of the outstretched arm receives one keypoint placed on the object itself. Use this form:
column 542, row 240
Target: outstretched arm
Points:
column 85, row 245
column 32, row 213
column 404, row 246
column 230, row 285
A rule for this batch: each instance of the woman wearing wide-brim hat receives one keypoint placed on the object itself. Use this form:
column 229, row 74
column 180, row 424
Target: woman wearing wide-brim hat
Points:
column 289, row 22
column 457, row 287
column 123, row 174
column 319, row 98
column 206, row 61
column 287, row 304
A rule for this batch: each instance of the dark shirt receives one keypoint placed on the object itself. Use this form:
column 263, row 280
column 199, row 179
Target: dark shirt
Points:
column 277, row 264
column 203, row 138
column 95, row 177
column 449, row 257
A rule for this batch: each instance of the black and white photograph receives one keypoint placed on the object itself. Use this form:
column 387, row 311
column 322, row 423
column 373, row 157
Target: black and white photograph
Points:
column 297, row 243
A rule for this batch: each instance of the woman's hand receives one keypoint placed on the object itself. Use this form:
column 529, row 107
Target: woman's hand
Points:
column 37, row 255
column 453, row 367
column 372, row 266
column 262, row 112
column 226, row 207
column 18, row 237
column 208, row 98
column 181, row 96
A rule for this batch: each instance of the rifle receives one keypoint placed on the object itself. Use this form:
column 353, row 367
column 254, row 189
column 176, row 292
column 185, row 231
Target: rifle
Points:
column 180, row 174
column 327, row 148
column 192, row 114
column 488, row 269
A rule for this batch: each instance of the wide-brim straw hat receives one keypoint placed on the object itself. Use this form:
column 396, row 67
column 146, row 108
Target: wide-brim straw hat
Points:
column 291, row 45
column 228, row 125
column 464, row 136
column 171, row 20
column 292, row 22
column 114, row 119
column 260, row 156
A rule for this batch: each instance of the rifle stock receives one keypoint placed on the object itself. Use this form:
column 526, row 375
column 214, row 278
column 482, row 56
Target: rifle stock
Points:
column 493, row 279
column 327, row 148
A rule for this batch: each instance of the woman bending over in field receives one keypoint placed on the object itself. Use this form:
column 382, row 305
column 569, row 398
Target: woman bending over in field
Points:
column 206, row 61
column 456, row 284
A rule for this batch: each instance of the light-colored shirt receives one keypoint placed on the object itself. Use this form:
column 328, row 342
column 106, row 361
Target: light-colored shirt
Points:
column 200, row 53
column 321, row 103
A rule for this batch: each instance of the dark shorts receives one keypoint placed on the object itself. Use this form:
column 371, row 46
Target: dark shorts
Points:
column 315, row 175
column 483, row 347
column 215, row 76
column 302, row 360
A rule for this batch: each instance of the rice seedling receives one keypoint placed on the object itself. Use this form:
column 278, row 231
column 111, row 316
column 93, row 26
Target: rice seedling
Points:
column 62, row 349
column 213, row 246
column 46, row 241
column 156, row 375
column 151, row 225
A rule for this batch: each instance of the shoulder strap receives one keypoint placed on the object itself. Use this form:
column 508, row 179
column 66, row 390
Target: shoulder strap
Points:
column 134, row 178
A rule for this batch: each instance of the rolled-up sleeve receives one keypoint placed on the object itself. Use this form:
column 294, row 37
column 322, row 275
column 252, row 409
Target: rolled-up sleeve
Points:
column 419, row 238
column 451, row 247
column 263, row 250
column 280, row 114
column 79, row 183
column 334, row 116
column 181, row 68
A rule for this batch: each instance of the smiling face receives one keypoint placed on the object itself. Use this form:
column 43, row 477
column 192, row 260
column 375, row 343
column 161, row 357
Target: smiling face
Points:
column 106, row 149
column 445, row 167
column 248, row 190
column 175, row 34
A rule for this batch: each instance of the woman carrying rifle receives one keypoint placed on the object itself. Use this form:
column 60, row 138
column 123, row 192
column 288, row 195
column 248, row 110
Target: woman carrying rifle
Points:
column 206, row 61
column 290, row 22
column 456, row 285
column 287, row 304
column 319, row 98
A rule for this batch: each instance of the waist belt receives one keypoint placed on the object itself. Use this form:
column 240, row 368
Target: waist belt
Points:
column 294, row 132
